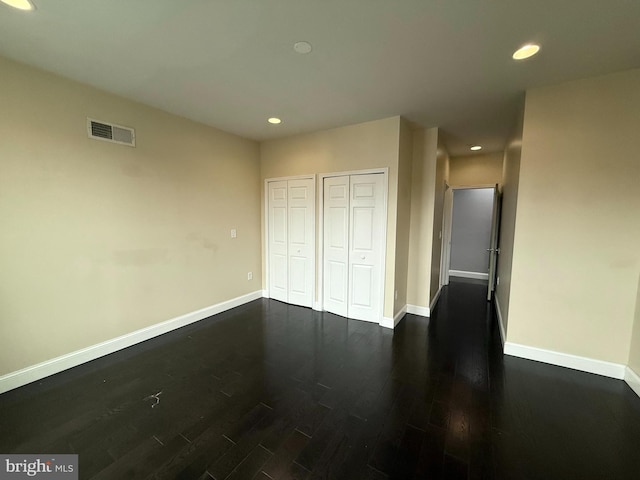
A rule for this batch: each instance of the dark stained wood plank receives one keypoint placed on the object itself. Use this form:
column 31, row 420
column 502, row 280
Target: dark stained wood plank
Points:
column 274, row 389
column 251, row 465
column 142, row 460
column 285, row 455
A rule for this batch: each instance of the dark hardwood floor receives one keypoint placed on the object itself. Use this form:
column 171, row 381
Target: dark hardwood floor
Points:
column 272, row 391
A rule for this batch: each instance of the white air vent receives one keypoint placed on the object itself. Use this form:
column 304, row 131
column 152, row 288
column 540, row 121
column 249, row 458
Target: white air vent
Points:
column 111, row 132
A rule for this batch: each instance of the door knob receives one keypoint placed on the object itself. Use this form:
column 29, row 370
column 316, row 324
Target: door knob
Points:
column 363, row 257
column 298, row 250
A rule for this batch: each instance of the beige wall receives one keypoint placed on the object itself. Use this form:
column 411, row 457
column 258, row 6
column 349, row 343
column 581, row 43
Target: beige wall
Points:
column 405, row 154
column 98, row 239
column 511, row 175
column 442, row 176
column 472, row 170
column 425, row 152
column 576, row 257
column 355, row 147
column 634, row 350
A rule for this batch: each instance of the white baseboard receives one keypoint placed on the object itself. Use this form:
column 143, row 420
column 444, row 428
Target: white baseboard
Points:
column 436, row 297
column 418, row 310
column 265, row 293
column 399, row 316
column 388, row 322
column 503, row 334
column 633, row 380
column 591, row 365
column 55, row 365
column 464, row 274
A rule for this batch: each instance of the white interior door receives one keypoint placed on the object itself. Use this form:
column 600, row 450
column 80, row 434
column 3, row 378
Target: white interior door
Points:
column 366, row 230
column 301, row 245
column 336, row 244
column 354, row 229
column 494, row 250
column 278, row 243
column 445, row 252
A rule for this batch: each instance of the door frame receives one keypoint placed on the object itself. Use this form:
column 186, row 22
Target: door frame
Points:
column 383, row 251
column 265, row 237
column 447, row 224
column 494, row 246
column 445, row 236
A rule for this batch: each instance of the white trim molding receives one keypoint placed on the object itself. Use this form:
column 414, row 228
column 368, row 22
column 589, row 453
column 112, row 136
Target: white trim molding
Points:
column 55, row 365
column 633, row 380
column 590, row 365
column 418, row 310
column 436, row 297
column 465, row 274
column 387, row 322
column 503, row 334
column 265, row 293
column 399, row 316
column 391, row 323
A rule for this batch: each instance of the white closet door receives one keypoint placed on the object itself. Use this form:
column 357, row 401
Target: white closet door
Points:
column 336, row 244
column 301, row 245
column 366, row 230
column 278, row 244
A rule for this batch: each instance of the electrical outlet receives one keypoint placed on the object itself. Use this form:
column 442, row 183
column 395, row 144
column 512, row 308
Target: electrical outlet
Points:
column 250, row 276
column 498, row 281
column 234, row 234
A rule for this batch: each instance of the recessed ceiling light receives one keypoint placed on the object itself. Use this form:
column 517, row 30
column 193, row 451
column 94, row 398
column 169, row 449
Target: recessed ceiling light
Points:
column 274, row 120
column 526, row 51
column 302, row 47
column 476, row 148
column 20, row 4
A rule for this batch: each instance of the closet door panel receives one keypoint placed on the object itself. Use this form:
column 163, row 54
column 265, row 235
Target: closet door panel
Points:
column 301, row 245
column 278, row 244
column 336, row 244
column 366, row 231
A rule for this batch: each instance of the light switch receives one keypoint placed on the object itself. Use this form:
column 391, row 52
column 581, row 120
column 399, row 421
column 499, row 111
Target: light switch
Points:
column 234, row 234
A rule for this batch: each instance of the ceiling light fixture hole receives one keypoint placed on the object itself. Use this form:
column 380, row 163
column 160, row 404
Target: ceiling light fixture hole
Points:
column 302, row 47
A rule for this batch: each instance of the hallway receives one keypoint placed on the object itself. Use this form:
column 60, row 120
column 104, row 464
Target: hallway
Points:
column 269, row 390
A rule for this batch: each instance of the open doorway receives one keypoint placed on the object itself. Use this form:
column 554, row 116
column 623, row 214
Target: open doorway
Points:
column 470, row 226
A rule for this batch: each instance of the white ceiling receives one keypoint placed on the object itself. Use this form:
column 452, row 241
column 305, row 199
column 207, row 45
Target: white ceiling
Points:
column 231, row 64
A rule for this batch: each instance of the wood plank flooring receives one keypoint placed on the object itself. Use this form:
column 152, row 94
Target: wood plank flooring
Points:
column 272, row 391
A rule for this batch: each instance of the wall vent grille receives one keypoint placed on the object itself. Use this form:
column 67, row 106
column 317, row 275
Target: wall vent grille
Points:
column 111, row 132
